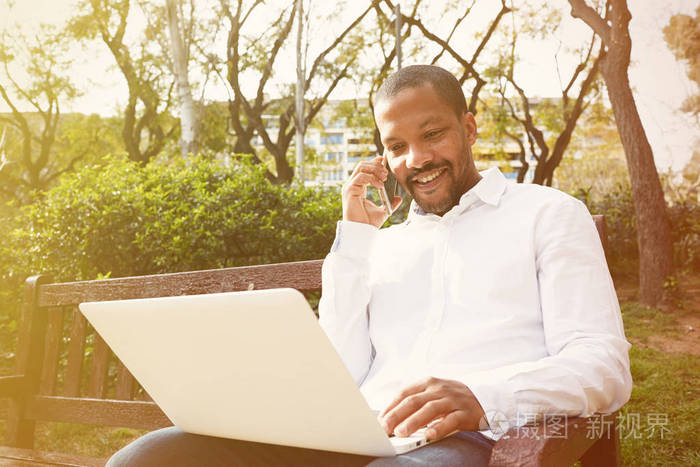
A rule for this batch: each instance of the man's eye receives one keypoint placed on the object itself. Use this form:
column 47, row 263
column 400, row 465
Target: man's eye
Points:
column 396, row 147
column 432, row 134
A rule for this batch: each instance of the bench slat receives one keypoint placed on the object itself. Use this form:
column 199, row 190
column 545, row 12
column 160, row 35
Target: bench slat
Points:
column 304, row 276
column 28, row 457
column 12, row 386
column 125, row 383
column 101, row 356
column 104, row 412
column 76, row 355
column 53, row 343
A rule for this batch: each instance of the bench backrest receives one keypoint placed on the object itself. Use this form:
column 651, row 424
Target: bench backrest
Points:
column 66, row 373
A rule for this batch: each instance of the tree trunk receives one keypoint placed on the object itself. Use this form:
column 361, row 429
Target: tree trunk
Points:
column 653, row 225
column 189, row 125
column 299, row 96
column 285, row 173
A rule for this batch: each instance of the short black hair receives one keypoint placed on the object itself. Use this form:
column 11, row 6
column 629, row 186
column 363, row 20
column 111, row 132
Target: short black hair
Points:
column 443, row 82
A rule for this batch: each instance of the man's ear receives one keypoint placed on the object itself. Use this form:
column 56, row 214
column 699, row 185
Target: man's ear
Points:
column 469, row 123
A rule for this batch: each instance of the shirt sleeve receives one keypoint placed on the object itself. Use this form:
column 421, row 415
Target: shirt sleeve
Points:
column 588, row 369
column 343, row 309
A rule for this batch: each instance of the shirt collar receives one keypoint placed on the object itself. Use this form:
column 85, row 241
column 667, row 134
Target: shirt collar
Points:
column 489, row 190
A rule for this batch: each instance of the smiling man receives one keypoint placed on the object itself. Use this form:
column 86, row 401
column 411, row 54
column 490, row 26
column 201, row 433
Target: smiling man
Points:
column 428, row 143
column 491, row 305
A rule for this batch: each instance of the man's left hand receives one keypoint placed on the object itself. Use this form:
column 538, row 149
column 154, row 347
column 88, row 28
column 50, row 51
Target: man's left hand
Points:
column 445, row 406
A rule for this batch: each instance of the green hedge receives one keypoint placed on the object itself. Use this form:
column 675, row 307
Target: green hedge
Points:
column 120, row 219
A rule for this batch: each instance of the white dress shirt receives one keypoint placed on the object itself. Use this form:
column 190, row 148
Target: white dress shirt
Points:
column 508, row 292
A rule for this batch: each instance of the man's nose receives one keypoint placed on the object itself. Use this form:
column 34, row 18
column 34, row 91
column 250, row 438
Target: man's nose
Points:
column 417, row 157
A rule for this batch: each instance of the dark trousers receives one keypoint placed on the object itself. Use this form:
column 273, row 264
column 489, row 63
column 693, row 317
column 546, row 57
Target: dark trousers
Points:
column 171, row 447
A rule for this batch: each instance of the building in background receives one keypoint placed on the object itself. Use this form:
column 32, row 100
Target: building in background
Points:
column 342, row 134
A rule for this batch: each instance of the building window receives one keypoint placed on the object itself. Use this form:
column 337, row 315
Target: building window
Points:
column 332, row 138
column 511, row 175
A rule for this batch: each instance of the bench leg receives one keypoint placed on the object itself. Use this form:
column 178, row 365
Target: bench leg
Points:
column 604, row 453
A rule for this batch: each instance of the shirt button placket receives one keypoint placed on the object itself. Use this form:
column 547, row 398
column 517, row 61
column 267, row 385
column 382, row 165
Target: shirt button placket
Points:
column 416, row 364
column 438, row 298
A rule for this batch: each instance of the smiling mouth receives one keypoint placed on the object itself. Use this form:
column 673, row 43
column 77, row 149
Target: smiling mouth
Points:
column 427, row 177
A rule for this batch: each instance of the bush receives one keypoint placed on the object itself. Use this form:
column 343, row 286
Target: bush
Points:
column 685, row 231
column 121, row 219
column 623, row 255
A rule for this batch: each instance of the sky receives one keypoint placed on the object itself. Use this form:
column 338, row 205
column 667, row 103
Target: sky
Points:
column 659, row 81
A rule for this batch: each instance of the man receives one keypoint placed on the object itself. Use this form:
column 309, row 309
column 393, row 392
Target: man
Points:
column 490, row 306
column 491, row 303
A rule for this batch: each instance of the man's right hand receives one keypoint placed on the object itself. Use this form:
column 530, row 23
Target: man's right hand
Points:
column 356, row 206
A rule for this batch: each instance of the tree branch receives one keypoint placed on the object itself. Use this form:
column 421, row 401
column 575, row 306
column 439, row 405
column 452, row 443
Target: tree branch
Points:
column 335, row 43
column 454, row 28
column 581, row 10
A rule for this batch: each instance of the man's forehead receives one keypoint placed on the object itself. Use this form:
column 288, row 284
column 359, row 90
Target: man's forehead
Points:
column 426, row 109
column 423, row 89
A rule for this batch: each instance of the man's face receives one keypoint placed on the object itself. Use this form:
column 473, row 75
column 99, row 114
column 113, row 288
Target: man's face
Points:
column 428, row 148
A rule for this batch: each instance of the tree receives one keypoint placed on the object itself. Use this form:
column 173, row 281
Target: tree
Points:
column 147, row 125
column 653, row 226
column 256, row 54
column 189, row 123
column 682, row 34
column 559, row 119
column 28, row 161
column 496, row 129
column 466, row 67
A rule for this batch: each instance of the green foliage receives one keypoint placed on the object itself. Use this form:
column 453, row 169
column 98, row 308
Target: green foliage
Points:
column 618, row 208
column 214, row 135
column 120, row 219
column 355, row 114
column 682, row 35
column 595, row 158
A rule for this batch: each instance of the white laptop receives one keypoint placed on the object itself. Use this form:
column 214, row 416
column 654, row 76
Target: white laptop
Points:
column 253, row 366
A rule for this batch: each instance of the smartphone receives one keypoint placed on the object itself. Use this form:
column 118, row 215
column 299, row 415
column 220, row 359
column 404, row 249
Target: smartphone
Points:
column 389, row 190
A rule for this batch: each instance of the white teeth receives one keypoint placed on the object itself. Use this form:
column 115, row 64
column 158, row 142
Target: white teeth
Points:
column 429, row 177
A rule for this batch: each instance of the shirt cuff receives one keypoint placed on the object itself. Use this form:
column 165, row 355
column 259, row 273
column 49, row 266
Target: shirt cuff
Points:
column 496, row 400
column 354, row 239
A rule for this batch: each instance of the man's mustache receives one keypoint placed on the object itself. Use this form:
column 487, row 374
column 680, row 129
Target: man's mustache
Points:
column 425, row 169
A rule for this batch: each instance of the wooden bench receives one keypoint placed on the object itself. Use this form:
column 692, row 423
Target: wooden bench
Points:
column 57, row 380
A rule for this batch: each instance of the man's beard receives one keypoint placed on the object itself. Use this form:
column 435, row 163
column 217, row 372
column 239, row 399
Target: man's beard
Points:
column 451, row 198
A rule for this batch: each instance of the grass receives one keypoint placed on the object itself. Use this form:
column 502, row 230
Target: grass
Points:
column 659, row 425
column 661, row 420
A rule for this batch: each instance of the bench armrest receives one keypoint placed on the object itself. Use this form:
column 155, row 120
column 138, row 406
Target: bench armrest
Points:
column 557, row 441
